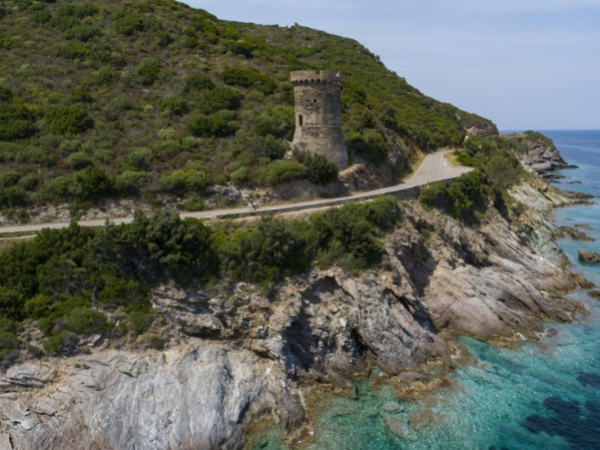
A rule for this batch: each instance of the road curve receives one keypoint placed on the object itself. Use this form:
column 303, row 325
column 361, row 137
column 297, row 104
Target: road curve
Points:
column 433, row 168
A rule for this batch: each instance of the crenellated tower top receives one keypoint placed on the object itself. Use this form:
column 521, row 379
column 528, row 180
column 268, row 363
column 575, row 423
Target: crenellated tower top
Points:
column 308, row 77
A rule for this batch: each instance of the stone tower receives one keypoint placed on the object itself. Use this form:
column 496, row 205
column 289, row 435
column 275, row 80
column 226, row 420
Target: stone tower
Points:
column 319, row 114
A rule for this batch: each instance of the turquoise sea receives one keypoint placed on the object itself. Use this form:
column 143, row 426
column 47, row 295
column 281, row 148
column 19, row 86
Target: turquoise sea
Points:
column 540, row 396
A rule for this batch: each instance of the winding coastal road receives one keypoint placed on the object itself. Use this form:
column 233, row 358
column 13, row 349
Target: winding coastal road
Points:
column 434, row 168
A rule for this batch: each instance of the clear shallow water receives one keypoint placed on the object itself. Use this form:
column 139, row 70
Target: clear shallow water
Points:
column 541, row 396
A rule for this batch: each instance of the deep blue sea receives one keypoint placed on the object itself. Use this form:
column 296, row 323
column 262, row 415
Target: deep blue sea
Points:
column 540, row 396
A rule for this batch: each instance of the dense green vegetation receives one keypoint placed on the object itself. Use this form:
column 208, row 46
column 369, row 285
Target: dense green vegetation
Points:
column 496, row 170
column 81, row 281
column 380, row 109
column 101, row 99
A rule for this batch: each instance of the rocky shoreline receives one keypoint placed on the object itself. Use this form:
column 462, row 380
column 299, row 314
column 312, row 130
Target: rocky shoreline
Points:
column 252, row 354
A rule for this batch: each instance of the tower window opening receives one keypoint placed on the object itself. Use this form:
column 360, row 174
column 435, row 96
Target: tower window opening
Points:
column 300, row 120
column 315, row 100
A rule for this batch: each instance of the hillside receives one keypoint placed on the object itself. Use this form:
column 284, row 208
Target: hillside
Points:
column 156, row 101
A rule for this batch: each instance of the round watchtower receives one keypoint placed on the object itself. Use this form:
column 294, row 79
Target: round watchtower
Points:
column 319, row 114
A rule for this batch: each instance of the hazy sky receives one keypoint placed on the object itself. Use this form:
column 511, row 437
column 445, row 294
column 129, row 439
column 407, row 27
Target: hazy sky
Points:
column 521, row 63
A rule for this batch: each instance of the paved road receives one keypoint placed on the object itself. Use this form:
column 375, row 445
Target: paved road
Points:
column 433, row 168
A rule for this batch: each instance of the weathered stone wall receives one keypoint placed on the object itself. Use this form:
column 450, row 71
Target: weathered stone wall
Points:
column 318, row 114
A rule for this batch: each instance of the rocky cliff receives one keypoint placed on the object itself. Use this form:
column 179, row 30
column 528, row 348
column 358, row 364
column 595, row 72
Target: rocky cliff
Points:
column 250, row 354
column 541, row 155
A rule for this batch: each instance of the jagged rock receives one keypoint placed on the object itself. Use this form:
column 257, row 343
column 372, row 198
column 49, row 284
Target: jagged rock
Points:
column 196, row 396
column 589, row 257
column 542, row 157
column 594, row 294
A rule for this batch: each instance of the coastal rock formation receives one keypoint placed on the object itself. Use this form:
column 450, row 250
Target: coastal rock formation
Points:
column 575, row 234
column 249, row 353
column 191, row 396
column 482, row 129
column 542, row 157
column 589, row 257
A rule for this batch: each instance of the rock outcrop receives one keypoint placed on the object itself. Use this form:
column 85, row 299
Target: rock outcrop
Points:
column 247, row 354
column 542, row 157
column 482, row 129
column 588, row 257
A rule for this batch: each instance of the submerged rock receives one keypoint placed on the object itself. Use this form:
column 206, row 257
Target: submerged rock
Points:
column 575, row 234
column 392, row 407
column 594, row 294
column 589, row 257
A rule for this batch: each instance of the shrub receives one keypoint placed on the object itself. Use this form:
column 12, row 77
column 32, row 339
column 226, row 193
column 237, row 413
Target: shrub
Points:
column 5, row 94
column 190, row 42
column 140, row 322
column 102, row 53
column 69, row 146
column 37, row 307
column 211, row 126
column 319, row 169
column 239, row 176
column 175, row 106
column 57, row 190
column 163, row 38
column 80, row 11
column 240, row 48
column 9, row 346
column 12, row 197
column 463, row 158
column 129, row 24
column 8, row 342
column 91, row 183
column 197, row 82
column 41, row 17
column 16, row 122
column 262, row 252
column 434, row 195
column 64, row 343
column 284, row 171
column 140, row 158
column 64, row 23
column 249, row 79
column 127, row 293
column 79, row 160
column 83, row 32
column 468, row 193
column 8, row 179
column 11, row 303
column 147, row 73
column 130, row 182
column 218, row 99
column 278, row 122
column 80, row 95
column 67, row 120
column 29, row 182
column 370, row 145
column 344, row 235
column 182, row 181
column 86, row 321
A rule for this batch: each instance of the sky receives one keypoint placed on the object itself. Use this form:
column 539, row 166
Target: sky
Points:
column 525, row 64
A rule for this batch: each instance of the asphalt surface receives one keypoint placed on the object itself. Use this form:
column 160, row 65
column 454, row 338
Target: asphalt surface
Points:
column 433, row 168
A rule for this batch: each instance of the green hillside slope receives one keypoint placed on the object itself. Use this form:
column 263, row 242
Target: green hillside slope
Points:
column 153, row 99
